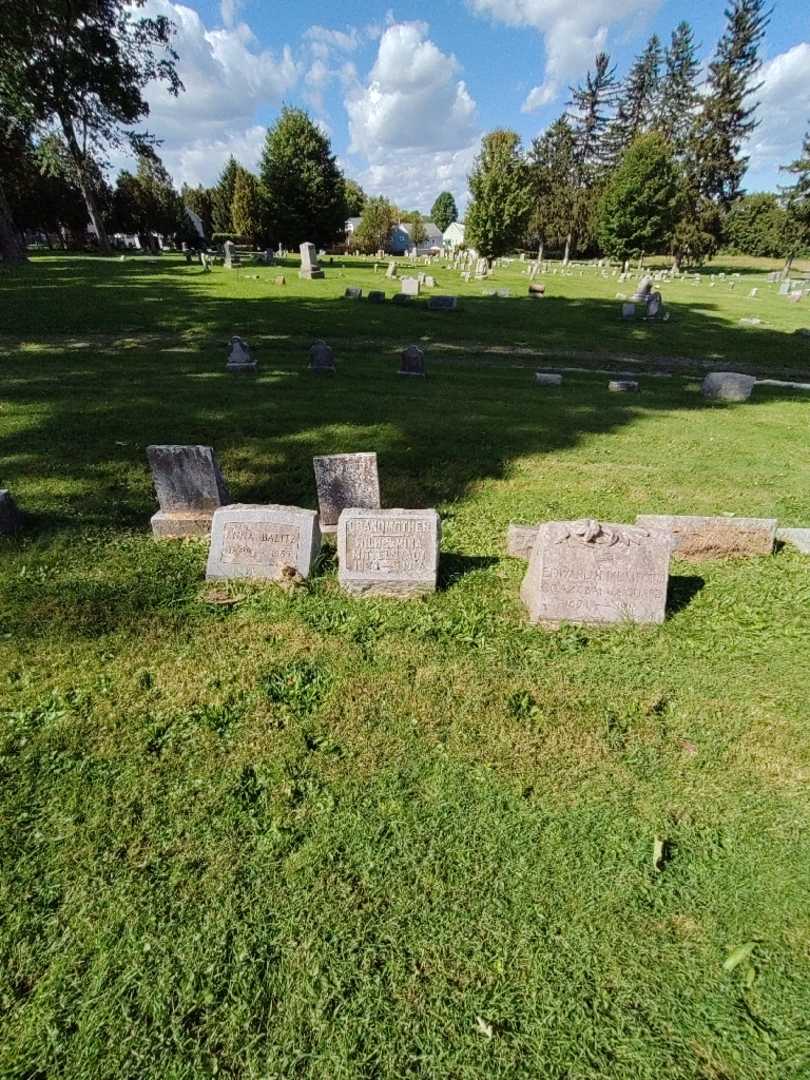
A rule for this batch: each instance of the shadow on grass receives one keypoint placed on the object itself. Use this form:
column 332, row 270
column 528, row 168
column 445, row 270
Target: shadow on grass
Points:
column 682, row 590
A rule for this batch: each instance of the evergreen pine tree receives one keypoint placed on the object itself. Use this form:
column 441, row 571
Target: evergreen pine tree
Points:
column 246, row 211
column 553, row 168
column 727, row 118
column 796, row 200
column 222, row 198
column 638, row 107
column 678, row 94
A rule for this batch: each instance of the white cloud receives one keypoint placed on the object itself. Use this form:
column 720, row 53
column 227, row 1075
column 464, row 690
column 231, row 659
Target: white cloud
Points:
column 784, row 112
column 227, row 76
column 573, row 32
column 413, row 119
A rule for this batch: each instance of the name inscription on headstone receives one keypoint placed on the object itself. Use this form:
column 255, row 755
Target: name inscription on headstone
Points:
column 388, row 552
column 263, row 542
column 260, row 545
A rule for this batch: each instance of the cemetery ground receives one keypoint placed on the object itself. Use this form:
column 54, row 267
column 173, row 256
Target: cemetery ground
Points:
column 248, row 831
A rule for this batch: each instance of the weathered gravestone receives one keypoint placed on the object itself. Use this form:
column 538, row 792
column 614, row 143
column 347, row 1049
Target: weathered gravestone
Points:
column 409, row 286
column 728, row 386
column 270, row 543
column 592, row 572
column 799, row 538
column 655, row 306
column 388, row 552
column 344, row 481
column 400, row 298
column 189, row 488
column 322, row 359
column 623, row 386
column 537, row 289
column 353, row 293
column 412, row 361
column 520, row 539
column 391, row 271
column 10, row 516
column 376, row 297
column 628, row 311
column 547, row 378
column 231, row 255
column 240, row 358
column 309, row 263
column 644, row 289
column 443, row 303
column 710, row 537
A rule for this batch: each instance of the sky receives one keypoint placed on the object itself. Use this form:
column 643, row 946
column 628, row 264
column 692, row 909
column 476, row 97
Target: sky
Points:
column 405, row 93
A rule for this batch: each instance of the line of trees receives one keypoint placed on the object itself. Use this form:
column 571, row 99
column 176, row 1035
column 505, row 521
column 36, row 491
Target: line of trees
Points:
column 653, row 164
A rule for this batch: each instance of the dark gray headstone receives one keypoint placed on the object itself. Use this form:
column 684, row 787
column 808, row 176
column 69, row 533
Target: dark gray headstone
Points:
column 239, row 357
column 376, row 297
column 10, row 516
column 412, row 361
column 623, row 386
column 343, row 481
column 353, row 293
column 400, row 298
column 322, row 359
column 443, row 303
column 189, row 488
column 728, row 386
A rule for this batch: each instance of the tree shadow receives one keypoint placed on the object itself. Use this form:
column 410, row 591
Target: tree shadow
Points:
column 682, row 590
column 454, row 567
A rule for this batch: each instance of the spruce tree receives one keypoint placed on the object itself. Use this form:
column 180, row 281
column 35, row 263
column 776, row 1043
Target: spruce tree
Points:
column 501, row 197
column 553, row 169
column 637, row 109
column 593, row 103
column 444, row 211
column 222, row 197
column 727, row 118
column 796, row 200
column 678, row 93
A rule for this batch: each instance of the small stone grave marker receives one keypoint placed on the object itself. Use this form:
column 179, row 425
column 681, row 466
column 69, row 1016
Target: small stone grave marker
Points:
column 391, row 271
column 400, row 298
column 728, row 386
column 592, row 572
column 322, row 359
column 628, row 311
column 520, row 540
column 376, row 297
column 623, row 386
column 280, row 280
column 710, row 537
column 409, row 286
column 270, row 543
column 353, row 293
column 412, row 361
column 547, row 378
column 10, row 516
column 388, row 552
column 443, row 303
column 189, row 488
column 799, row 538
column 344, row 481
column 537, row 289
column 240, row 359
column 309, row 263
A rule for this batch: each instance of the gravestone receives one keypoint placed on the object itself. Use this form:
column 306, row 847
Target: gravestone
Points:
column 189, row 488
column 429, row 282
column 799, row 538
column 628, row 311
column 400, row 298
column 412, row 361
column 443, row 303
column 623, row 386
column 388, row 552
column 280, row 280
column 409, row 286
column 754, row 292
column 353, row 293
column 520, row 540
column 10, row 516
column 376, row 297
column 537, row 289
column 309, row 263
column 590, row 572
column 231, row 258
column 655, row 306
column 547, row 378
column 504, row 294
column 391, row 272
column 708, row 537
column 268, row 543
column 644, row 289
column 345, row 481
column 240, row 358
column 727, row 386
column 322, row 359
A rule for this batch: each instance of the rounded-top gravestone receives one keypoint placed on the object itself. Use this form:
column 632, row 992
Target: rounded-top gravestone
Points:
column 728, row 386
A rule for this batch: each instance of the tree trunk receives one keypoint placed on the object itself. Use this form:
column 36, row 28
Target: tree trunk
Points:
column 540, row 254
column 567, row 254
column 676, row 264
column 788, row 266
column 86, row 186
column 641, row 261
column 12, row 249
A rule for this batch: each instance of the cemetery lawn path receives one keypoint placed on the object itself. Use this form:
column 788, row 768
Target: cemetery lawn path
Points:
column 252, row 833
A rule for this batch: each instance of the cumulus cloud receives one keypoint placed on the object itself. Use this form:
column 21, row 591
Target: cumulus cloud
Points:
column 227, row 76
column 413, row 119
column 784, row 112
column 572, row 34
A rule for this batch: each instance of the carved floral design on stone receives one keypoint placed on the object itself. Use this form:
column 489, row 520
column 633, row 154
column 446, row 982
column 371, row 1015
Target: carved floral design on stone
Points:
column 590, row 531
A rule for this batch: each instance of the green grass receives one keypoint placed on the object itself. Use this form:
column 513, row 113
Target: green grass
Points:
column 312, row 836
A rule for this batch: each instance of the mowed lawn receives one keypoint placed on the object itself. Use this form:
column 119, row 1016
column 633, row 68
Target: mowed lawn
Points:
column 299, row 835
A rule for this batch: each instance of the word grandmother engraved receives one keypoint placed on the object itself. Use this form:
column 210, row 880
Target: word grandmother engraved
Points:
column 383, row 546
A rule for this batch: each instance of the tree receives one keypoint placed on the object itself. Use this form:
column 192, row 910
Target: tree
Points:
column 200, row 200
column 246, row 211
column 796, row 199
column 222, row 197
column 678, row 94
column 638, row 106
column 694, row 238
column 417, row 230
column 726, row 120
column 640, row 205
column 553, row 171
column 501, row 197
column 444, row 211
column 84, row 64
column 303, row 185
column 147, row 201
column 355, row 198
column 755, row 225
column 377, row 220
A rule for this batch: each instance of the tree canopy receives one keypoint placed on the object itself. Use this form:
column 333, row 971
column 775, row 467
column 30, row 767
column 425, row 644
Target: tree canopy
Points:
column 444, row 211
column 501, row 198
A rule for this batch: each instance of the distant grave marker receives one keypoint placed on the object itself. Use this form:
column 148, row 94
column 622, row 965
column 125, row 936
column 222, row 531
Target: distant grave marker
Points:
column 412, row 361
column 322, row 359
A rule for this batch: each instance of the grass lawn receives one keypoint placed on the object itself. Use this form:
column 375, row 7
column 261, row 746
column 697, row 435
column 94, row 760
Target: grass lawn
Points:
column 308, row 836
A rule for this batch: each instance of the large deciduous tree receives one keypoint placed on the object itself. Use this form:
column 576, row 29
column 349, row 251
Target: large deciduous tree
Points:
column 377, row 220
column 640, row 205
column 444, row 211
column 303, row 185
column 147, row 201
column 755, row 225
column 355, row 198
column 83, row 65
column 501, row 197
column 727, row 116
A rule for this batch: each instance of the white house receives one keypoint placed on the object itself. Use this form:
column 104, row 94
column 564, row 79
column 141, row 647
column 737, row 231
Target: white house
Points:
column 454, row 234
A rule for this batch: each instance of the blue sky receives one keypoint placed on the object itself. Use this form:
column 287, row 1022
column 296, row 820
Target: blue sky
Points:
column 406, row 92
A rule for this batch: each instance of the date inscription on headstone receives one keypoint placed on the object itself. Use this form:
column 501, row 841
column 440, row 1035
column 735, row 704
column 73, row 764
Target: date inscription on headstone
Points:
column 388, row 552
